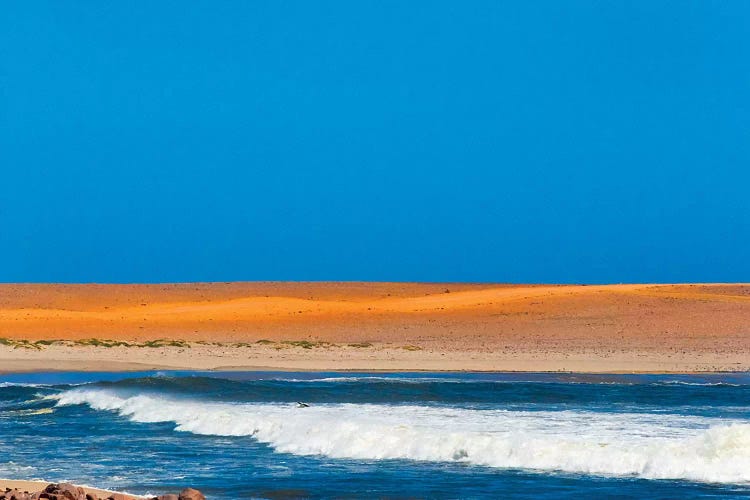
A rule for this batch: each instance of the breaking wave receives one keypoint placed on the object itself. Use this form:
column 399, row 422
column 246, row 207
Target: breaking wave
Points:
column 652, row 446
column 4, row 385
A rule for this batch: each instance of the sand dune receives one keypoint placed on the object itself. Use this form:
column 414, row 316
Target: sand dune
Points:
column 707, row 325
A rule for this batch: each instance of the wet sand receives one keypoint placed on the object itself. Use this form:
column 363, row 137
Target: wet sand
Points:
column 377, row 326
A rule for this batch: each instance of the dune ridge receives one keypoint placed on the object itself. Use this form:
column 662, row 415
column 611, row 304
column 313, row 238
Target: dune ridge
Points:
column 470, row 326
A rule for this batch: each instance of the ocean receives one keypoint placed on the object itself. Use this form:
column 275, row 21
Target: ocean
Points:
column 244, row 435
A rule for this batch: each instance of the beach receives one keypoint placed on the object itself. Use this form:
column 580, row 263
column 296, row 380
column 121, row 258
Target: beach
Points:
column 321, row 326
column 35, row 486
column 12, row 489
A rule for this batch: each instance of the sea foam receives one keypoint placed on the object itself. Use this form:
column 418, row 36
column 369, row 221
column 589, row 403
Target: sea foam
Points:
column 652, row 446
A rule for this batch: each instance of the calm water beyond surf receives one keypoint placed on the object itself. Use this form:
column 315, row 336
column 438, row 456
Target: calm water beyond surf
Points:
column 243, row 435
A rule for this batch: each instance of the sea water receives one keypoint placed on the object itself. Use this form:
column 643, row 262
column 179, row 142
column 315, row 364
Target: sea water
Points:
column 243, row 435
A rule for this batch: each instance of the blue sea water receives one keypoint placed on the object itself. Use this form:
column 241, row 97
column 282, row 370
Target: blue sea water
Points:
column 242, row 434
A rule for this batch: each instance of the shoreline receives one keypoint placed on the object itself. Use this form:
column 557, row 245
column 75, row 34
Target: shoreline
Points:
column 262, row 369
column 373, row 359
column 23, row 489
column 32, row 485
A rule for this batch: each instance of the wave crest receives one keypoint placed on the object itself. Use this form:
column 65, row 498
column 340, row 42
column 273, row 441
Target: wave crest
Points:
column 653, row 446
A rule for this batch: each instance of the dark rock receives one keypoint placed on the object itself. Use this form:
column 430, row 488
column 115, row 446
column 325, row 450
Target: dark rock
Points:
column 14, row 494
column 70, row 491
column 63, row 491
column 191, row 494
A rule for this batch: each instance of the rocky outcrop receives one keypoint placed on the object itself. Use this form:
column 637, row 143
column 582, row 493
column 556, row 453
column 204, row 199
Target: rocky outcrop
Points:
column 67, row 491
column 191, row 494
column 14, row 494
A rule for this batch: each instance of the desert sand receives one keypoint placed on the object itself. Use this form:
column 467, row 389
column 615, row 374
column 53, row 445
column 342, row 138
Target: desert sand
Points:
column 376, row 326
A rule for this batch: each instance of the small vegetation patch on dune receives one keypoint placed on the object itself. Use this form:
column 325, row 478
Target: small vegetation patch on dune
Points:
column 92, row 342
column 22, row 344
column 101, row 343
column 164, row 343
column 158, row 343
column 411, row 348
column 361, row 345
column 306, row 344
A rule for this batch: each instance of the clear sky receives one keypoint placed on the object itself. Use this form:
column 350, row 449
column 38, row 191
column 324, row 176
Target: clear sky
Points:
column 524, row 141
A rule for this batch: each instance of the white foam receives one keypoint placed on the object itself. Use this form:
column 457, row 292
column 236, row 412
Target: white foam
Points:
column 698, row 384
column 20, row 384
column 12, row 469
column 399, row 380
column 654, row 446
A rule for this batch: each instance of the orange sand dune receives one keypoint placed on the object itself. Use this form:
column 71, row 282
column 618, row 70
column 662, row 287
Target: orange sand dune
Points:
column 546, row 321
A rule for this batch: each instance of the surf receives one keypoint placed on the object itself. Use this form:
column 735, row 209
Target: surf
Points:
column 645, row 445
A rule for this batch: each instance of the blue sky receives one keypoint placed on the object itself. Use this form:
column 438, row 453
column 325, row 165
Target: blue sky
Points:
column 520, row 141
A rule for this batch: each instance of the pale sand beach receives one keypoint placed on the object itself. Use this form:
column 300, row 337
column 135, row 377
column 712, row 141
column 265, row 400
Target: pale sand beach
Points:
column 376, row 326
column 15, row 489
column 32, row 486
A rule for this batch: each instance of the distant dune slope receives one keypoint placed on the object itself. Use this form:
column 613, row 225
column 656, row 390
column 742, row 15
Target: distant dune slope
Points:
column 482, row 316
